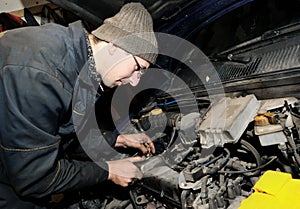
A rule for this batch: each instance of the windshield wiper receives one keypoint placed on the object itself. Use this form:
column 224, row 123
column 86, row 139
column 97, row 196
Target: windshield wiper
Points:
column 265, row 36
column 281, row 31
column 232, row 57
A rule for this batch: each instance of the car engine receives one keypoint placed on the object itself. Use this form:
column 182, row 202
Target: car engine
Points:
column 212, row 158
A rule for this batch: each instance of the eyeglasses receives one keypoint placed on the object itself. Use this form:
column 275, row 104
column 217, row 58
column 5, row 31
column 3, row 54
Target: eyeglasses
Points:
column 140, row 70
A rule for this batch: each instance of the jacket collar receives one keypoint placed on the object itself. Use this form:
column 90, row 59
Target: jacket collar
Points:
column 83, row 56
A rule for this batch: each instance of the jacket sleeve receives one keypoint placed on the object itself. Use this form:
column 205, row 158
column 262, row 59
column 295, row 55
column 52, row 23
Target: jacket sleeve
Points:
column 32, row 104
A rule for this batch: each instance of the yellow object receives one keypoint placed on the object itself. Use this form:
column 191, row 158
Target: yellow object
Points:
column 2, row 33
column 274, row 190
column 156, row 111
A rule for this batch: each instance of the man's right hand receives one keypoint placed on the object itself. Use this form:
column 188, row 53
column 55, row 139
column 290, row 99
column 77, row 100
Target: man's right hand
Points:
column 123, row 172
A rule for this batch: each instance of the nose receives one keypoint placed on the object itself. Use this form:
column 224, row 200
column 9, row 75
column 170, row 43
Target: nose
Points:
column 134, row 79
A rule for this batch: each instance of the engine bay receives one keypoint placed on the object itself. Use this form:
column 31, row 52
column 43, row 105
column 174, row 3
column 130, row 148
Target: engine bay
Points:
column 213, row 158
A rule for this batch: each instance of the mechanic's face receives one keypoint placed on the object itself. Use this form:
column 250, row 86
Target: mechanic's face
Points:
column 119, row 67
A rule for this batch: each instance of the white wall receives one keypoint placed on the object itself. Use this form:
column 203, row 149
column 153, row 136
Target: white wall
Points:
column 15, row 5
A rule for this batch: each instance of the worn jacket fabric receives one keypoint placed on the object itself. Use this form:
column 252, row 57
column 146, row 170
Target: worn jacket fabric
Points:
column 41, row 96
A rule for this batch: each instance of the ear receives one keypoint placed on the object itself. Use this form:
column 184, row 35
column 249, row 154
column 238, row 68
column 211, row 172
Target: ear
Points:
column 112, row 48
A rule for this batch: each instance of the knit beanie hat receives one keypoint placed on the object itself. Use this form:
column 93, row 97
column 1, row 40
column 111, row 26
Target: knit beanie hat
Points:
column 131, row 29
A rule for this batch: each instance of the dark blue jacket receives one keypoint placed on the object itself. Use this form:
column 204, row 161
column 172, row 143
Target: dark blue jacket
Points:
column 39, row 90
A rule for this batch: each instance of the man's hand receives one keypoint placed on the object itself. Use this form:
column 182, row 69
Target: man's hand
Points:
column 123, row 172
column 139, row 141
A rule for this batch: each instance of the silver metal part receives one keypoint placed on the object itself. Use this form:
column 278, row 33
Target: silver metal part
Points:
column 272, row 138
column 226, row 120
column 270, row 104
column 267, row 129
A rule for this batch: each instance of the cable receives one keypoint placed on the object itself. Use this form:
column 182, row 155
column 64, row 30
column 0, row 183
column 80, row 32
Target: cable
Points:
column 251, row 170
column 213, row 160
column 254, row 152
column 181, row 100
column 172, row 138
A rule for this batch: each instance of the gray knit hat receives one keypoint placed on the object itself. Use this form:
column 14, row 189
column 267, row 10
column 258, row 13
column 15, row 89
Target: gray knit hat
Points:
column 132, row 30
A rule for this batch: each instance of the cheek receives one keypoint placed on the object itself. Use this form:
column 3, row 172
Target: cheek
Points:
column 123, row 71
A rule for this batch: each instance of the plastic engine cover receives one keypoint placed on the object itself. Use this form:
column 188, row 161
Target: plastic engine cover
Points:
column 226, row 120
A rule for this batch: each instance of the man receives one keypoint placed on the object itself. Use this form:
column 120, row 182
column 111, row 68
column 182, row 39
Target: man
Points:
column 48, row 87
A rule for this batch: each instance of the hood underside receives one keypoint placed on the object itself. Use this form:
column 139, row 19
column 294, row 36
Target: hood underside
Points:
column 96, row 11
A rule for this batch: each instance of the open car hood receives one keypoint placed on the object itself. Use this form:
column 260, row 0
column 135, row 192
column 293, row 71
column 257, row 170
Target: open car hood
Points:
column 96, row 11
